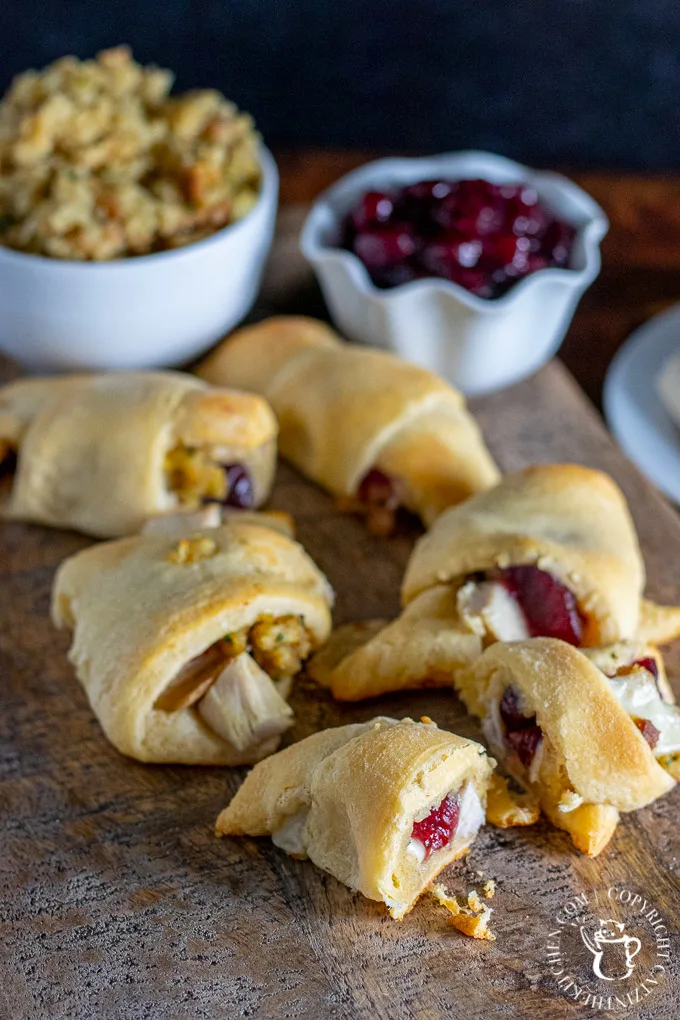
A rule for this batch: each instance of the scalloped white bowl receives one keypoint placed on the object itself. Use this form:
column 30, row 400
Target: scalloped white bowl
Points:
column 479, row 345
column 150, row 311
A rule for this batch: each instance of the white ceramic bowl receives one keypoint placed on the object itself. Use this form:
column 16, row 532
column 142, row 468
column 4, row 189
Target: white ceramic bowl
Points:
column 480, row 345
column 150, row 311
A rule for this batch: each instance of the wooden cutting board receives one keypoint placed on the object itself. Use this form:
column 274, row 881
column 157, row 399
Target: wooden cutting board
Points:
column 118, row 901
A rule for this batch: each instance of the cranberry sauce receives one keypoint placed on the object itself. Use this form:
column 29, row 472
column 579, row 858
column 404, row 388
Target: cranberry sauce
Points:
column 550, row 608
column 522, row 732
column 437, row 830
column 482, row 236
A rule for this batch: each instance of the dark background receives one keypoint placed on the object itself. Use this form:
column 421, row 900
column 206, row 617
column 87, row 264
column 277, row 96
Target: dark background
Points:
column 579, row 83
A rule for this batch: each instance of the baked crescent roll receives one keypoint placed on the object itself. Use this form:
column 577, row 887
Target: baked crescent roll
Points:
column 421, row 648
column 102, row 453
column 369, row 427
column 554, row 721
column 383, row 805
column 186, row 647
column 550, row 551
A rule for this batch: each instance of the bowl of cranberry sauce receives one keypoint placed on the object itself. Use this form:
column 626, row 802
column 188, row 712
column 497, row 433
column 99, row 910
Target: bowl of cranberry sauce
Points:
column 468, row 263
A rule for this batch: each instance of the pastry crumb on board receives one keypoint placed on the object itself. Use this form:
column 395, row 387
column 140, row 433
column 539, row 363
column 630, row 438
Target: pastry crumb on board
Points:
column 472, row 920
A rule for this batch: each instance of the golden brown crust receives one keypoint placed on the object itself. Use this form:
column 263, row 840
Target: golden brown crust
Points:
column 593, row 755
column 659, row 625
column 344, row 409
column 140, row 611
column 92, row 449
column 591, row 826
column 423, row 647
column 568, row 520
column 357, row 790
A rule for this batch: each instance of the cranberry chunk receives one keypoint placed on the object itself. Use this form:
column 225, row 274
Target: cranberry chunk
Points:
column 522, row 732
column 240, row 483
column 648, row 731
column 525, row 742
column 550, row 608
column 511, row 714
column 375, row 208
column 379, row 249
column 377, row 488
column 649, row 664
column 437, row 830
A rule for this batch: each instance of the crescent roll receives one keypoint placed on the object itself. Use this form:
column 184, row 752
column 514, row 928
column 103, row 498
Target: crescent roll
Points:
column 423, row 647
column 383, row 805
column 102, row 453
column 552, row 718
column 551, row 551
column 186, row 646
column 371, row 428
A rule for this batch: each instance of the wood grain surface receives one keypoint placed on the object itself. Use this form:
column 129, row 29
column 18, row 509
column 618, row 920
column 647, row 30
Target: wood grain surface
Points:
column 118, row 901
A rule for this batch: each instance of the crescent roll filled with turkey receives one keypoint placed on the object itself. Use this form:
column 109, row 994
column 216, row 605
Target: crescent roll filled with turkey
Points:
column 549, row 552
column 186, row 647
column 383, row 805
column 564, row 731
column 375, row 430
column 103, row 453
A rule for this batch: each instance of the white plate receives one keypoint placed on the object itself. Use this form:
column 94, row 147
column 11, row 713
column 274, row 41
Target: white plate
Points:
column 633, row 407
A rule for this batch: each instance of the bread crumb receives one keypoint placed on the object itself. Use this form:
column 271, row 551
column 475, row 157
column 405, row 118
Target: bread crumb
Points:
column 474, row 902
column 569, row 801
column 505, row 808
column 439, row 893
column 473, row 924
column 489, row 889
column 476, row 926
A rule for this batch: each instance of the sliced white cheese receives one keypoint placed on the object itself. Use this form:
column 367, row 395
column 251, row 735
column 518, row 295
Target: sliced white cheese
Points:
column 637, row 694
column 471, row 816
column 289, row 836
column 243, row 706
column 490, row 611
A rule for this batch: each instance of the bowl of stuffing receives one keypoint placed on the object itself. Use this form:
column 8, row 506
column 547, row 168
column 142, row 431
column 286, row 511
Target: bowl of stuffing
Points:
column 134, row 224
